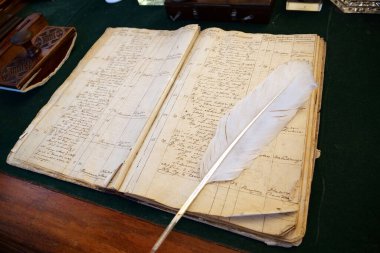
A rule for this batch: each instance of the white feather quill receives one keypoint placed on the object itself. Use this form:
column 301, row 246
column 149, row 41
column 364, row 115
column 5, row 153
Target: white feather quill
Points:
column 275, row 101
column 251, row 124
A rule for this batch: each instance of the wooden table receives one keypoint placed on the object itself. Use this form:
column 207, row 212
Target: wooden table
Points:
column 36, row 219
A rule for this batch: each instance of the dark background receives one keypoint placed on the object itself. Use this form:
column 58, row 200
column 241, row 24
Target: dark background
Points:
column 344, row 205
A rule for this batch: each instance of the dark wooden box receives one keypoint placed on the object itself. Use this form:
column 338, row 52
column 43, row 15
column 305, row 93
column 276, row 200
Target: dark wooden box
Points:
column 252, row 11
column 20, row 72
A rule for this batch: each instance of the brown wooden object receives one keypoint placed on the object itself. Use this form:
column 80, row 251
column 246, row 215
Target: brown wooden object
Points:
column 35, row 219
column 32, row 52
column 251, row 11
column 10, row 7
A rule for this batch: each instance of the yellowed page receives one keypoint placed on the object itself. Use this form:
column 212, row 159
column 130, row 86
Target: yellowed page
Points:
column 222, row 69
column 289, row 229
column 100, row 115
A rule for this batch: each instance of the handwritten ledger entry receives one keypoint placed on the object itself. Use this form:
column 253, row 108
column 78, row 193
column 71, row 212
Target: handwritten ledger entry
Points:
column 140, row 109
column 99, row 122
column 222, row 68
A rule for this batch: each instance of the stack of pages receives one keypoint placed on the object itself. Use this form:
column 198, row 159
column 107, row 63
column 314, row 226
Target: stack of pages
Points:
column 138, row 112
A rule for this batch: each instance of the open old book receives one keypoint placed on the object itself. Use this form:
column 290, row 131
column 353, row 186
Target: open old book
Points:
column 139, row 110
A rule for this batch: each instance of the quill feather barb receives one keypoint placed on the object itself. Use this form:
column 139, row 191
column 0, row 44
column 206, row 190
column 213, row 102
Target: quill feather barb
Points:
column 267, row 110
column 251, row 124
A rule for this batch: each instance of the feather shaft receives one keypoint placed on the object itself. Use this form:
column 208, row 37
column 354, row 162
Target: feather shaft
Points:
column 204, row 181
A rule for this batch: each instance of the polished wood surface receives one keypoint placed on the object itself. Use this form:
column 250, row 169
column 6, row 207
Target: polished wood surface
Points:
column 35, row 219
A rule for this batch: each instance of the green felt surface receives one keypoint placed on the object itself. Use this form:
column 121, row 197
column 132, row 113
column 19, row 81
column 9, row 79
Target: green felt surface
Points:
column 344, row 207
